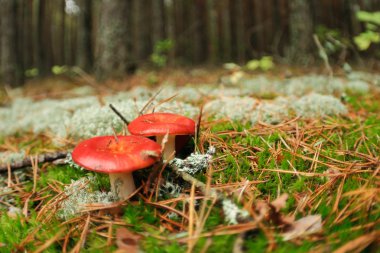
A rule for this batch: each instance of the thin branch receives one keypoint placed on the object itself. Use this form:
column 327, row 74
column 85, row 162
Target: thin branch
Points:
column 119, row 114
column 48, row 157
column 323, row 55
column 198, row 127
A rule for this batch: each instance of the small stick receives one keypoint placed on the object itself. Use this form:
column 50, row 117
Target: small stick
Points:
column 34, row 162
column 48, row 157
column 119, row 114
column 198, row 127
column 323, row 55
column 9, row 175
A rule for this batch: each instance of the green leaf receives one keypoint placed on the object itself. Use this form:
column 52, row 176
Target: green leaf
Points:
column 252, row 64
column 371, row 17
column 364, row 40
column 57, row 70
column 266, row 63
column 31, row 72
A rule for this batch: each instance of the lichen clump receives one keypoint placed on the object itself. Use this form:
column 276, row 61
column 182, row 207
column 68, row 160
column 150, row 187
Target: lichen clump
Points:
column 232, row 213
column 79, row 194
column 316, row 105
column 195, row 162
column 11, row 157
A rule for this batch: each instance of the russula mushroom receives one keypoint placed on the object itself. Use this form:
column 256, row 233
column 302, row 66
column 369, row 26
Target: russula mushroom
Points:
column 161, row 124
column 118, row 157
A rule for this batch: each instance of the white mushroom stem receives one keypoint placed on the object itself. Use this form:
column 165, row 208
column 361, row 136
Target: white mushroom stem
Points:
column 122, row 184
column 168, row 152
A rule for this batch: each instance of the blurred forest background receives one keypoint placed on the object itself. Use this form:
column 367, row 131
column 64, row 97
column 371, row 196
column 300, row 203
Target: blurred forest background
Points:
column 112, row 38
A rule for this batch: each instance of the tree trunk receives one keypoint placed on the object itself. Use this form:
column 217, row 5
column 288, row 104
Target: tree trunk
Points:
column 202, row 40
column 158, row 20
column 112, row 48
column 41, row 45
column 142, row 29
column 84, row 31
column 212, row 32
column 226, row 31
column 11, row 70
column 301, row 32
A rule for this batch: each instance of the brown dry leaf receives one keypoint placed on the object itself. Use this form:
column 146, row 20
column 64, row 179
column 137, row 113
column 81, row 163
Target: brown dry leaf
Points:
column 360, row 243
column 280, row 202
column 305, row 226
column 127, row 241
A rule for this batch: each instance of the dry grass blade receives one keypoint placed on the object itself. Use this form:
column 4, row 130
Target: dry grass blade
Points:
column 191, row 242
column 360, row 243
column 49, row 242
column 83, row 236
column 9, row 182
column 150, row 101
column 163, row 101
column 35, row 171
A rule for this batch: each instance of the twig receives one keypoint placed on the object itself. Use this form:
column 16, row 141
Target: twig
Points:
column 198, row 127
column 48, row 157
column 119, row 114
column 323, row 54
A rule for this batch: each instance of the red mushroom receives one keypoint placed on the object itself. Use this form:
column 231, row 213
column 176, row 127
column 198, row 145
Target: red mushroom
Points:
column 118, row 157
column 160, row 124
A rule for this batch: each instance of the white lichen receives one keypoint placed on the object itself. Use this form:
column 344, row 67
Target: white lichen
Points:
column 69, row 161
column 316, row 105
column 357, row 86
column 232, row 213
column 234, row 108
column 170, row 188
column 271, row 112
column 11, row 157
column 79, row 193
column 195, row 162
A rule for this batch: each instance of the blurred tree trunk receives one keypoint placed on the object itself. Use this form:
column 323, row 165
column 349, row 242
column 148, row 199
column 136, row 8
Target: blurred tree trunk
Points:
column 11, row 70
column 237, row 27
column 226, row 31
column 201, row 31
column 301, row 32
column 142, row 29
column 212, row 32
column 84, row 31
column 158, row 31
column 112, row 48
column 41, row 44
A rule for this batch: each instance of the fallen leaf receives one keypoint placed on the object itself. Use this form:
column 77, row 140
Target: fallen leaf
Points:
column 280, row 202
column 127, row 241
column 360, row 243
column 305, row 226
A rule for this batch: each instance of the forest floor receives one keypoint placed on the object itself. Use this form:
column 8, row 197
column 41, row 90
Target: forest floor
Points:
column 296, row 165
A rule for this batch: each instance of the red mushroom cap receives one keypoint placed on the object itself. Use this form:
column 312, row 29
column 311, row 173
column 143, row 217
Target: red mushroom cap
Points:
column 161, row 123
column 105, row 154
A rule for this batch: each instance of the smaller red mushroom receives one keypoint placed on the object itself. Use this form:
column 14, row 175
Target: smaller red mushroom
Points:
column 161, row 124
column 118, row 157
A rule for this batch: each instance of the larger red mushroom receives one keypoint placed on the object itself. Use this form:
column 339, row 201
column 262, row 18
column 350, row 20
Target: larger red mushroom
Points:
column 161, row 124
column 118, row 157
